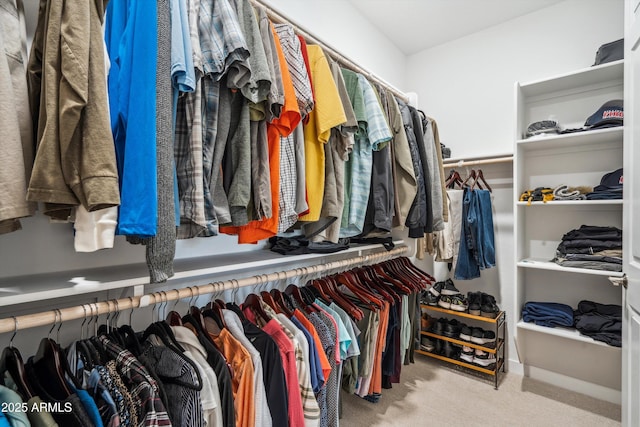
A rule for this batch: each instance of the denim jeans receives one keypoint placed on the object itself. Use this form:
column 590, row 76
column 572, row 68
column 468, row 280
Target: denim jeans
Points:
column 477, row 243
column 467, row 267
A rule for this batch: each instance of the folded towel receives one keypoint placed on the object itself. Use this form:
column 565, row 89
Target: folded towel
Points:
column 549, row 314
column 564, row 192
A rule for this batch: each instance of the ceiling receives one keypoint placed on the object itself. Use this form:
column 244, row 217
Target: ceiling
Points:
column 415, row 25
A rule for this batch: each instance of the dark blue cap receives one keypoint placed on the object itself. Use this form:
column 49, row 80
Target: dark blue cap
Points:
column 609, row 115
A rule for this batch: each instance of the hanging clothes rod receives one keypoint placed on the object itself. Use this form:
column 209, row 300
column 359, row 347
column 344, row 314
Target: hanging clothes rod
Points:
column 279, row 18
column 461, row 163
column 58, row 316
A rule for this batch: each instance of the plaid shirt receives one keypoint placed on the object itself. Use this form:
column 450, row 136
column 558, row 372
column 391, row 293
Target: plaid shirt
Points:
column 143, row 387
column 297, row 67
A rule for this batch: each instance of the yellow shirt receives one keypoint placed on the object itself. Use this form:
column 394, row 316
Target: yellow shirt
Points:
column 326, row 114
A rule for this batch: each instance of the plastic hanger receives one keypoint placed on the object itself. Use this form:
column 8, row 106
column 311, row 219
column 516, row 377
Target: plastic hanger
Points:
column 11, row 362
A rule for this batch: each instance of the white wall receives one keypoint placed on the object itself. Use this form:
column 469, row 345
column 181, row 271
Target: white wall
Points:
column 343, row 28
column 468, row 84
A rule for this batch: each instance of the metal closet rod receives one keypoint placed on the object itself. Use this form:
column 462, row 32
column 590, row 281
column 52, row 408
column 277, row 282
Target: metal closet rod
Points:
column 56, row 316
column 277, row 17
column 461, row 163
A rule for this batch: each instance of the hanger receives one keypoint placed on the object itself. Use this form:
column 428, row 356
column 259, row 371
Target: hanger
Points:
column 330, row 287
column 472, row 176
column 278, row 299
column 252, row 302
column 453, row 179
column 11, row 362
column 174, row 318
column 481, row 177
column 49, row 362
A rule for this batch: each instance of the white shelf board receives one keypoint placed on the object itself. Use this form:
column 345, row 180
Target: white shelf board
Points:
column 573, row 203
column 597, row 136
column 552, row 266
column 612, row 71
column 568, row 333
column 26, row 289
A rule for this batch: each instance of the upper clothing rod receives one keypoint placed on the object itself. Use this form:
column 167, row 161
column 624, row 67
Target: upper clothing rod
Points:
column 461, row 163
column 278, row 17
column 57, row 316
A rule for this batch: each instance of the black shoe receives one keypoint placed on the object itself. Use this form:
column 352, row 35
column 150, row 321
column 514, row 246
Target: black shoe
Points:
column 438, row 327
column 488, row 306
column 428, row 298
column 427, row 344
column 439, row 347
column 451, row 350
column 465, row 333
column 474, row 299
column 436, row 288
column 452, row 329
column 482, row 337
column 484, row 359
column 458, row 303
column 449, row 288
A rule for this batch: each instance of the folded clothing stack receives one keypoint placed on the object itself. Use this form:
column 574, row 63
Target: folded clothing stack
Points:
column 564, row 192
column 592, row 247
column 549, row 314
column 602, row 322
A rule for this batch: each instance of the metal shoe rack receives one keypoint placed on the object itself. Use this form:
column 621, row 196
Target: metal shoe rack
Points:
column 498, row 326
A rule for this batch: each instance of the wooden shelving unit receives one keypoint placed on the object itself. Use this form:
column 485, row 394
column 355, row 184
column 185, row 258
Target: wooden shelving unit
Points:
column 498, row 326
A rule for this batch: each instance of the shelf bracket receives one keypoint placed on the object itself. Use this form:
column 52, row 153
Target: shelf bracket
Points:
column 617, row 281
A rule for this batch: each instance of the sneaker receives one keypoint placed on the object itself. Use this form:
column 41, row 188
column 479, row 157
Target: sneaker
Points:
column 451, row 350
column 465, row 333
column 488, row 306
column 452, row 329
column 474, row 299
column 426, row 344
column 436, row 288
column 449, row 288
column 445, row 301
column 467, row 354
column 483, row 358
column 428, row 298
column 438, row 326
column 459, row 303
column 482, row 337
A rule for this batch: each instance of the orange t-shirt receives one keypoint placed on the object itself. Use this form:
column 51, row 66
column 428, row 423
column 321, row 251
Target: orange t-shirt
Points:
column 282, row 126
column 324, row 360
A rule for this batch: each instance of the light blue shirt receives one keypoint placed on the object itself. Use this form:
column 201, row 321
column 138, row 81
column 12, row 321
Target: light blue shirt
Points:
column 344, row 339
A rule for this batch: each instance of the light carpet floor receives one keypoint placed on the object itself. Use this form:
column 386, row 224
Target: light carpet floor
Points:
column 434, row 394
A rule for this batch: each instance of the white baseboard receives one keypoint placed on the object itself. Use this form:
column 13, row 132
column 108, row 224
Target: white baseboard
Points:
column 579, row 386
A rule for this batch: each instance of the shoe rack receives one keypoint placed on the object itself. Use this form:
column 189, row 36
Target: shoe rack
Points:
column 497, row 325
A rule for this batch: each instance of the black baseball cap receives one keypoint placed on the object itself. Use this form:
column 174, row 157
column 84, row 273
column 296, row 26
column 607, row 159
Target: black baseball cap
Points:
column 611, row 114
column 611, row 181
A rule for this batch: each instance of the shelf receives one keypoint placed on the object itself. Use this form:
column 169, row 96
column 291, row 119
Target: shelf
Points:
column 573, row 140
column 568, row 333
column 617, row 202
column 610, row 72
column 463, row 314
column 26, row 289
column 464, row 364
column 499, row 342
column 552, row 266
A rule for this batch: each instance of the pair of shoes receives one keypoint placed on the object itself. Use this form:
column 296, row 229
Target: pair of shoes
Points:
column 475, row 300
column 482, row 304
column 428, row 298
column 450, row 350
column 488, row 306
column 444, row 288
column 426, row 344
column 438, row 326
column 483, row 337
column 452, row 328
column 425, row 322
column 478, row 357
column 456, row 302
